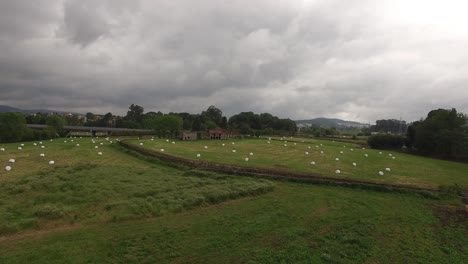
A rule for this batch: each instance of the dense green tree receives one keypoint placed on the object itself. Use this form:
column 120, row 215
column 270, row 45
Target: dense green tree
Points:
column 197, row 124
column 389, row 125
column 106, row 121
column 386, row 141
column 90, row 116
column 411, row 135
column 187, row 120
column 55, row 124
column 209, row 119
column 12, row 127
column 187, row 124
column 245, row 129
column 38, row 118
column 135, row 114
column 318, row 131
column 224, row 123
column 74, row 120
column 165, row 125
column 210, row 124
column 213, row 114
column 442, row 133
column 366, row 131
column 250, row 123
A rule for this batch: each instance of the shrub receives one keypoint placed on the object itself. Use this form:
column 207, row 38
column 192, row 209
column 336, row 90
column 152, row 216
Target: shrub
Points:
column 49, row 211
column 386, row 141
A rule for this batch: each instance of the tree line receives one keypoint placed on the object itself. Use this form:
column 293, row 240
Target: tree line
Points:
column 390, row 126
column 443, row 133
column 247, row 123
column 14, row 128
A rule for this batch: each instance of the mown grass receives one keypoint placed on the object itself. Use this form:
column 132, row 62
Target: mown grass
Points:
column 405, row 169
column 123, row 208
column 83, row 187
column 295, row 223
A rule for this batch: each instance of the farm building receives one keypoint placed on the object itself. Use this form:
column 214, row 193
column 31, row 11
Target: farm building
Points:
column 218, row 134
column 213, row 134
column 222, row 134
column 189, row 135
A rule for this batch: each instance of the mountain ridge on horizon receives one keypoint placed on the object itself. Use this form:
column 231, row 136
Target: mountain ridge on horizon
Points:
column 319, row 121
column 6, row 108
column 329, row 122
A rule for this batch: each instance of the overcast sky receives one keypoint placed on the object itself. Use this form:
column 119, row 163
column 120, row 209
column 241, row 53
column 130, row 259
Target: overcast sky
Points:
column 358, row 60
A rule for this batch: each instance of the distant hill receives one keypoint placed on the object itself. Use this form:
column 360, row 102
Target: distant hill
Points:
column 6, row 108
column 329, row 122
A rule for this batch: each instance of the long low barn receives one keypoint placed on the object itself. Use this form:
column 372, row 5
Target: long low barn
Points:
column 93, row 130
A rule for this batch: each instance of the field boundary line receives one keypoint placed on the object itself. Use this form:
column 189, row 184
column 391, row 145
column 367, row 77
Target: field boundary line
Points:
column 279, row 174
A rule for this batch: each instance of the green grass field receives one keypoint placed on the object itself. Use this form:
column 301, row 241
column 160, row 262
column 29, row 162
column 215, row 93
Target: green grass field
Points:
column 291, row 154
column 121, row 207
column 84, row 187
column 296, row 223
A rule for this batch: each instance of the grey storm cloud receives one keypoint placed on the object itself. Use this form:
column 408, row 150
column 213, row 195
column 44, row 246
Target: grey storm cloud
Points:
column 361, row 60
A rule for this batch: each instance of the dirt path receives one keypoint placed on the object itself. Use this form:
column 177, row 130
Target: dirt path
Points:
column 38, row 233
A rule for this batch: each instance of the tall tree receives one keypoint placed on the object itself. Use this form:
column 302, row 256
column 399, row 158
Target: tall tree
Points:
column 90, row 116
column 213, row 114
column 135, row 113
column 106, row 121
column 249, row 122
column 441, row 133
column 197, row 123
column 38, row 118
column 224, row 123
column 55, row 124
column 390, row 125
column 165, row 125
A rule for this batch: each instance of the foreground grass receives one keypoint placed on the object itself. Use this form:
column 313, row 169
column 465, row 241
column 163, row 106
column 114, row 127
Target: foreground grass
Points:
column 84, row 187
column 405, row 169
column 295, row 223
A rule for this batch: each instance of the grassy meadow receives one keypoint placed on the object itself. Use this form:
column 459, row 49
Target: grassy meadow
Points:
column 121, row 207
column 84, row 187
column 297, row 155
column 295, row 223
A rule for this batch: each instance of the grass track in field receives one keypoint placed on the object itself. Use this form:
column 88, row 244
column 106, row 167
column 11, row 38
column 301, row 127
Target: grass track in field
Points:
column 405, row 169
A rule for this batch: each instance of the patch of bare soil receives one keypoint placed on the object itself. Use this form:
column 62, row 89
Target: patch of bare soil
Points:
column 449, row 214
